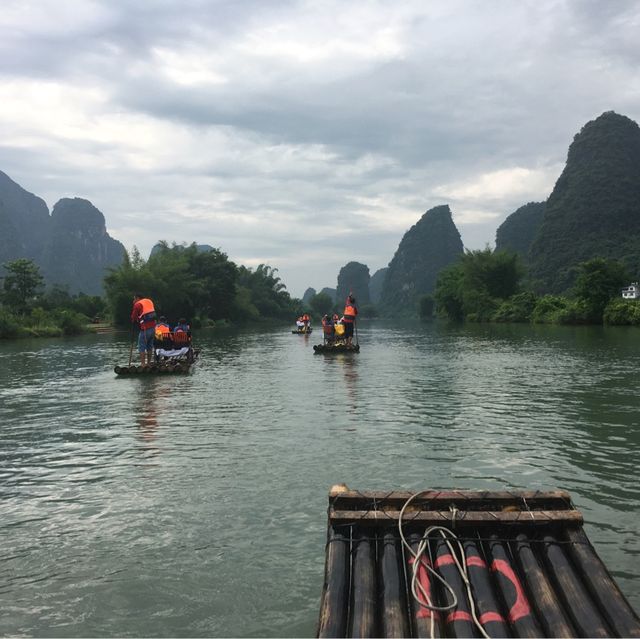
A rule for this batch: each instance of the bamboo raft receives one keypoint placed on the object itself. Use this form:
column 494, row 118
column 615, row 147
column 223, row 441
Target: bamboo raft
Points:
column 336, row 348
column 168, row 367
column 531, row 568
column 307, row 332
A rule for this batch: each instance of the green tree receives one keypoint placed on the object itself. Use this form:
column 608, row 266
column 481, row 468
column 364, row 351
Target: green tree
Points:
column 598, row 281
column 21, row 285
column 474, row 287
column 321, row 304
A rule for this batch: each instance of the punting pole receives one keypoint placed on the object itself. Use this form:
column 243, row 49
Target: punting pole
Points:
column 392, row 588
column 487, row 608
column 603, row 589
column 584, row 614
column 458, row 621
column 520, row 614
column 541, row 593
column 333, row 609
column 363, row 589
column 420, row 615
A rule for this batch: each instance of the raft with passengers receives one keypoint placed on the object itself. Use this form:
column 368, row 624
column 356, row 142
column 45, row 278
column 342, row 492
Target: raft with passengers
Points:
column 339, row 332
column 162, row 348
column 303, row 325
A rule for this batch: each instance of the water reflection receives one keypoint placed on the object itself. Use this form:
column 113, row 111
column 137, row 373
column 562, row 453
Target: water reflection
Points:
column 151, row 397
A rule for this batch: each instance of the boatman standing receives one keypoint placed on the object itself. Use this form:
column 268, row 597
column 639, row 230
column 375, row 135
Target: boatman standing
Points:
column 349, row 318
column 144, row 315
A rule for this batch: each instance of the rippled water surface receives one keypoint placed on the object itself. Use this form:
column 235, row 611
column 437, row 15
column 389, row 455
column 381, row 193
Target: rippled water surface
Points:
column 196, row 506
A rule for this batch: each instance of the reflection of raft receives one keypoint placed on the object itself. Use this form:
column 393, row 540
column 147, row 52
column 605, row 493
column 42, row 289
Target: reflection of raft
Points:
column 336, row 348
column 305, row 332
column 177, row 365
column 532, row 569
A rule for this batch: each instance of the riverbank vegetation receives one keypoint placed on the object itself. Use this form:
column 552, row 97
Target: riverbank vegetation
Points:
column 487, row 286
column 204, row 286
column 26, row 310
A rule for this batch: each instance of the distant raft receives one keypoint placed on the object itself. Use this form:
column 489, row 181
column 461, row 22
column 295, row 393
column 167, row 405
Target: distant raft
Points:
column 306, row 331
column 165, row 364
column 336, row 348
column 396, row 564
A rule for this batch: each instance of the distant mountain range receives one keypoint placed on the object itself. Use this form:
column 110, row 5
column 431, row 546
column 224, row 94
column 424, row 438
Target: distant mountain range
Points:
column 71, row 246
column 593, row 211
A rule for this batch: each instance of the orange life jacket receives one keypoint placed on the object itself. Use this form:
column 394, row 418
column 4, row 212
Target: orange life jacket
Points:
column 147, row 314
column 162, row 331
column 350, row 313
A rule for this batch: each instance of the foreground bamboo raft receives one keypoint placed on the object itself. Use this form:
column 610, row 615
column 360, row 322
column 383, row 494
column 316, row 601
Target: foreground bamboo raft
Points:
column 531, row 568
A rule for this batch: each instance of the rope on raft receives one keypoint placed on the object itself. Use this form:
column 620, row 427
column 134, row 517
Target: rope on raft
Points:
column 417, row 590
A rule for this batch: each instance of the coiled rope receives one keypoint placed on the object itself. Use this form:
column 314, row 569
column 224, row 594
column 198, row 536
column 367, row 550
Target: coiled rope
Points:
column 417, row 589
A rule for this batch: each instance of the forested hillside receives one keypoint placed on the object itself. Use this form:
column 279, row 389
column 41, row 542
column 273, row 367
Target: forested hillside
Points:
column 426, row 248
column 594, row 209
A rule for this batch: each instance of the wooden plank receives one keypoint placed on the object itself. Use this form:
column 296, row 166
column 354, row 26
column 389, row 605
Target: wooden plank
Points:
column 341, row 495
column 463, row 518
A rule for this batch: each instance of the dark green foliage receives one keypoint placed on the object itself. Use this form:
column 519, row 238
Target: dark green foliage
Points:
column 185, row 281
column 426, row 307
column 448, row 294
column 621, row 312
column 9, row 325
column 70, row 322
column 598, row 281
column 518, row 308
column 353, row 278
column 425, row 250
column 594, row 209
column 516, row 233
column 21, row 284
column 321, row 304
column 474, row 287
column 548, row 308
column 268, row 292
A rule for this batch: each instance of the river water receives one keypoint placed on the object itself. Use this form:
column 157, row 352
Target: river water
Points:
column 196, row 505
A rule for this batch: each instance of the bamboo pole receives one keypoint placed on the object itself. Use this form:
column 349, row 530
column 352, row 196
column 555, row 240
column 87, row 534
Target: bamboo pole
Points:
column 487, row 607
column 520, row 614
column 582, row 610
column 333, row 609
column 392, row 589
column 542, row 595
column 616, row 609
column 363, row 588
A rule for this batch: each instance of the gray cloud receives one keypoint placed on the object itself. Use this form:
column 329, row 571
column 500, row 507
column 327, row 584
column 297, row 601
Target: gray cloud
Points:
column 280, row 133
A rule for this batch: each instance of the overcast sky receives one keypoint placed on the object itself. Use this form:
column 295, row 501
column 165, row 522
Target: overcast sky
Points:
column 305, row 134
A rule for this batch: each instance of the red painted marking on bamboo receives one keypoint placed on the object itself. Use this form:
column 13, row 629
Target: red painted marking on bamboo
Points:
column 521, row 606
column 444, row 560
column 459, row 615
column 423, row 580
column 488, row 617
column 474, row 560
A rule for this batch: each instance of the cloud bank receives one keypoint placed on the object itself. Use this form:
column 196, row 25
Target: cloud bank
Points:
column 305, row 134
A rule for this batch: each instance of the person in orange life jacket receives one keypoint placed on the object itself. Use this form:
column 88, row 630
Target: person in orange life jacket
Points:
column 181, row 333
column 327, row 329
column 163, row 333
column 349, row 318
column 143, row 314
column 306, row 321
